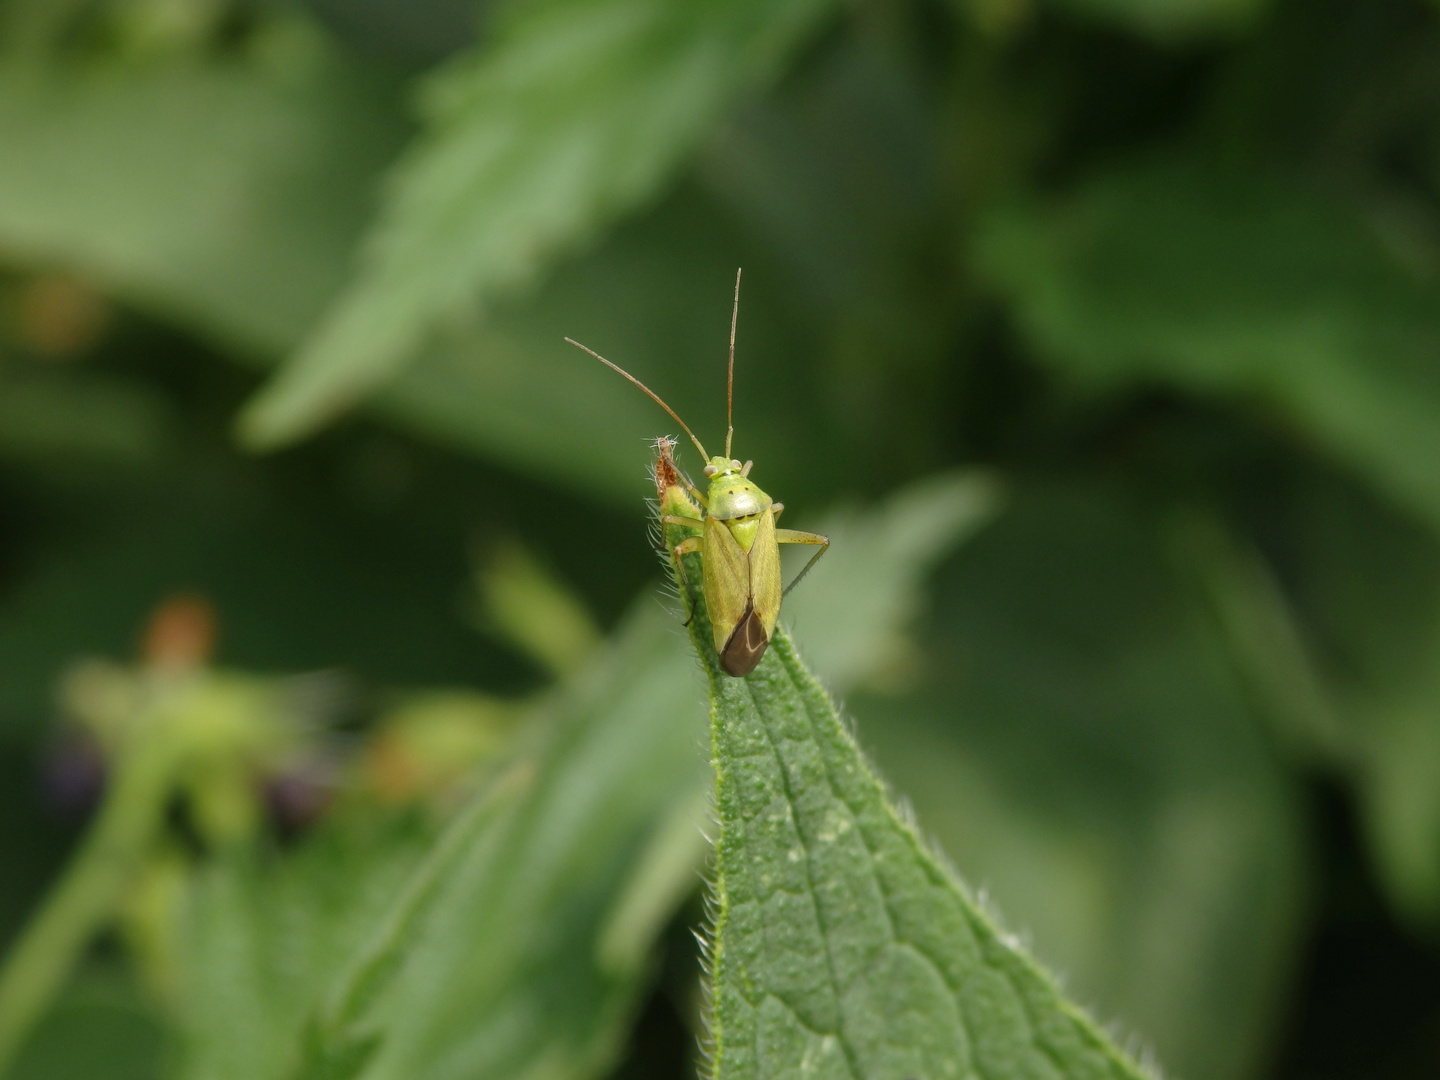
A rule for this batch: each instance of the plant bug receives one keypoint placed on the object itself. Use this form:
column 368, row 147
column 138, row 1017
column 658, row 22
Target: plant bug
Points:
column 740, row 541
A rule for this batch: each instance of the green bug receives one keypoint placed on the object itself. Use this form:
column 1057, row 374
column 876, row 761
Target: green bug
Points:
column 740, row 541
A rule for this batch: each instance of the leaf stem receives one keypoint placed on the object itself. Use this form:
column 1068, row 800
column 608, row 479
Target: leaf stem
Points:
column 88, row 891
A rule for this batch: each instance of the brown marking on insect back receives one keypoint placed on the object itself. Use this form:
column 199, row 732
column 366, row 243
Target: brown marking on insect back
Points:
column 746, row 645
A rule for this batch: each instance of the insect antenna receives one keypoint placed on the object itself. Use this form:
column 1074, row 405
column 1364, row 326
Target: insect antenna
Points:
column 653, row 396
column 730, row 376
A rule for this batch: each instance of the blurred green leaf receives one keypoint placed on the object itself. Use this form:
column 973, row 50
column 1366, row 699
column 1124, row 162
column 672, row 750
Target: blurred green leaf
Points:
column 1240, row 287
column 512, row 390
column 827, row 192
column 101, row 1026
column 523, row 600
column 276, row 201
column 841, row 946
column 501, row 975
column 1399, row 783
column 852, row 612
column 1368, row 583
column 224, row 191
column 1081, row 747
column 266, row 936
column 571, row 114
column 1271, row 649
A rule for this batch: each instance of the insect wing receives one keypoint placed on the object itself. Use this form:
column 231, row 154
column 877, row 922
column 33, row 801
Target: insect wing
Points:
column 742, row 592
column 726, row 572
column 765, row 585
column 727, row 580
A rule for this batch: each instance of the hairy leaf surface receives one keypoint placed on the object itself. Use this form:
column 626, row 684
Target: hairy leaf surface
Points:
column 842, row 946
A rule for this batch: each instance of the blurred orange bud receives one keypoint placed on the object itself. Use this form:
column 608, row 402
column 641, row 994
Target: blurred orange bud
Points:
column 60, row 316
column 181, row 633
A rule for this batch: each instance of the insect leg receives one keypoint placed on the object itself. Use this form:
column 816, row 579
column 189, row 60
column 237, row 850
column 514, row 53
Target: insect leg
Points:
column 695, row 492
column 688, row 546
column 794, row 536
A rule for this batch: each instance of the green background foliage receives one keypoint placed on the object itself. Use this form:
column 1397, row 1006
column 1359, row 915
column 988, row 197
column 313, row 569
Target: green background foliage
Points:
column 1102, row 335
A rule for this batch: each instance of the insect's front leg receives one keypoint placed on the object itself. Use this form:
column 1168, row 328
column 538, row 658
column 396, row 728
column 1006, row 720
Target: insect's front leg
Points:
column 695, row 492
column 795, row 536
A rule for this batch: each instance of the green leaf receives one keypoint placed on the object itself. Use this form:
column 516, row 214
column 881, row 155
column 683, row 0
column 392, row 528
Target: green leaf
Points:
column 1238, row 287
column 502, row 970
column 512, row 390
column 1368, row 583
column 851, row 613
column 101, row 1026
column 842, row 946
column 222, row 190
column 794, row 187
column 1078, row 741
column 277, row 189
column 1399, row 787
column 263, row 940
column 570, row 115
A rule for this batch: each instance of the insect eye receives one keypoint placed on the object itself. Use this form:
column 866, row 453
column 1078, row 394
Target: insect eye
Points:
column 735, row 465
column 709, row 470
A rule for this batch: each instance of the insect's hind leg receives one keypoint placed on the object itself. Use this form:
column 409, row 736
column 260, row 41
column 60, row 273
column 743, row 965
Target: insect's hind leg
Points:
column 795, row 536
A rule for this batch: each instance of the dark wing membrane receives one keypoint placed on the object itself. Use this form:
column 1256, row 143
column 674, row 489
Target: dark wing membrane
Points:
column 746, row 645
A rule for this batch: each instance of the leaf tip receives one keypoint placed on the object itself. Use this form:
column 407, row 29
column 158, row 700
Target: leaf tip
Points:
column 287, row 410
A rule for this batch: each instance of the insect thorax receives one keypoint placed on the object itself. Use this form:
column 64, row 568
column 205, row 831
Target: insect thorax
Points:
column 734, row 496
